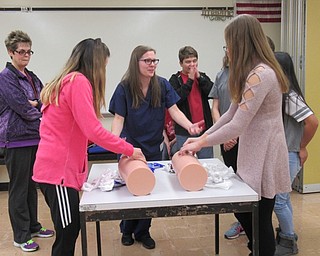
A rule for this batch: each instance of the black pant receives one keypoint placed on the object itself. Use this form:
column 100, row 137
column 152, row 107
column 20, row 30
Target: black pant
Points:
column 266, row 233
column 64, row 207
column 139, row 227
column 230, row 157
column 23, row 197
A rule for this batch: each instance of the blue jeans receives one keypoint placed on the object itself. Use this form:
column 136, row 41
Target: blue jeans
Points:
column 283, row 207
column 203, row 153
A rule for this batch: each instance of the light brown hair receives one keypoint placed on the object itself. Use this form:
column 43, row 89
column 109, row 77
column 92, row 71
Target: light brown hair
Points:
column 89, row 58
column 248, row 46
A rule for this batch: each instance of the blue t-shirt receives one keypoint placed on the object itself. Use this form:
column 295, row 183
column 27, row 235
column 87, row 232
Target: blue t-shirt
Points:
column 143, row 127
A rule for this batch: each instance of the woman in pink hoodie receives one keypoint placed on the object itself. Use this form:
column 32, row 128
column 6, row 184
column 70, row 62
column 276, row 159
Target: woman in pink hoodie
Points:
column 71, row 107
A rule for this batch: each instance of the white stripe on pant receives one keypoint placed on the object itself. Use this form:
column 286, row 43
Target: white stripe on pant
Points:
column 64, row 207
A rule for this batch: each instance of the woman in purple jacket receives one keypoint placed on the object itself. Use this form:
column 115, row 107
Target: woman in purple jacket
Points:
column 19, row 137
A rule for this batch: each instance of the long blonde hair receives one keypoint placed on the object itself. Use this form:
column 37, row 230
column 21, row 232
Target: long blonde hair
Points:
column 248, row 46
column 88, row 57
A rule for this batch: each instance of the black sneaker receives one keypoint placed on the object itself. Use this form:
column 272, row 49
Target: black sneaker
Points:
column 147, row 242
column 127, row 239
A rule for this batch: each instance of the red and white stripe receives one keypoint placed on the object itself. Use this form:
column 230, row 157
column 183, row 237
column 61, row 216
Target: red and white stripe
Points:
column 263, row 10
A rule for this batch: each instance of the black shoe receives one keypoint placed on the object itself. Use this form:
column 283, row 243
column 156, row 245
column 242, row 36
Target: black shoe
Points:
column 127, row 239
column 147, row 242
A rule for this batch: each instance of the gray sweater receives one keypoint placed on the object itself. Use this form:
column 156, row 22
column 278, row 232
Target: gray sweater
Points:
column 262, row 156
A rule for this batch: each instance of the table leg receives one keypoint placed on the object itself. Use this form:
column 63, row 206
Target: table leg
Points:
column 255, row 229
column 216, row 233
column 83, row 234
column 98, row 238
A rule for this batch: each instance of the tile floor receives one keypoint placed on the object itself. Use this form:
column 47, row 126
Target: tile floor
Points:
column 175, row 236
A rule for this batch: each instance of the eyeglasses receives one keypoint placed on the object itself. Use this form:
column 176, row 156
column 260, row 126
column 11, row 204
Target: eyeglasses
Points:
column 23, row 52
column 225, row 48
column 149, row 61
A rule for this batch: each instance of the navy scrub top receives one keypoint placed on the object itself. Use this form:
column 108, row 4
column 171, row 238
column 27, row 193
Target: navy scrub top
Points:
column 143, row 126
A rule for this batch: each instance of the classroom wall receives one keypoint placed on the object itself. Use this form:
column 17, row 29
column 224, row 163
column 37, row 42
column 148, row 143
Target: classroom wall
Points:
column 311, row 174
column 56, row 32
column 210, row 56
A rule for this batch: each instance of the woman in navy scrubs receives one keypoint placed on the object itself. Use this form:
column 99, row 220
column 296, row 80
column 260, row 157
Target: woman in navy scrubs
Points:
column 138, row 104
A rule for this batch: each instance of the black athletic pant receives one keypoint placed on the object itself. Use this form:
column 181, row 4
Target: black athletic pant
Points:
column 64, row 207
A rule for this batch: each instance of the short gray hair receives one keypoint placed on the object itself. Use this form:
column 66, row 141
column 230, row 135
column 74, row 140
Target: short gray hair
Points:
column 16, row 37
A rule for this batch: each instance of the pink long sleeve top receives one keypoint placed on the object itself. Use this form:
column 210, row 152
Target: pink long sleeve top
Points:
column 262, row 155
column 65, row 130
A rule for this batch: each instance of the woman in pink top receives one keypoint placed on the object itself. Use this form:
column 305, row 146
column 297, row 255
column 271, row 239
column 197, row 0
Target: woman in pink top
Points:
column 72, row 103
column 256, row 84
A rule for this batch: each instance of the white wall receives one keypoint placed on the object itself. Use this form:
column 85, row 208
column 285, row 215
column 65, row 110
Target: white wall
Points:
column 54, row 35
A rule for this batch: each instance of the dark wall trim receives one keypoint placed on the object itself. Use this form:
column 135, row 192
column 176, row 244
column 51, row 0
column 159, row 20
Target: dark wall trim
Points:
column 30, row 9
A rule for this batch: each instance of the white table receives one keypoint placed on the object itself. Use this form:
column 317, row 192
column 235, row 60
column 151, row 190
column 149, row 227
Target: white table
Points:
column 167, row 199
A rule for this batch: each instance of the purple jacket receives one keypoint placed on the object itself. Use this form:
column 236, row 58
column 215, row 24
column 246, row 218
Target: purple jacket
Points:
column 19, row 120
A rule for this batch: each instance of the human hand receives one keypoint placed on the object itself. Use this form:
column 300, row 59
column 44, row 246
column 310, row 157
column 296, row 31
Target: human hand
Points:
column 34, row 103
column 197, row 73
column 192, row 145
column 229, row 144
column 196, row 128
column 138, row 155
column 303, row 155
column 193, row 73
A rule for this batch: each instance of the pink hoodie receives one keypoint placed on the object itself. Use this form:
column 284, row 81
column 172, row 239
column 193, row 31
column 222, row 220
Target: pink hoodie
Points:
column 65, row 130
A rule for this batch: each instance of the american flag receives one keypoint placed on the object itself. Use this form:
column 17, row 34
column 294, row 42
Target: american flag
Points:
column 263, row 10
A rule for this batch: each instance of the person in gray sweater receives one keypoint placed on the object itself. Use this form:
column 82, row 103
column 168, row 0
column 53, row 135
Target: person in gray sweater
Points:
column 300, row 125
column 229, row 150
